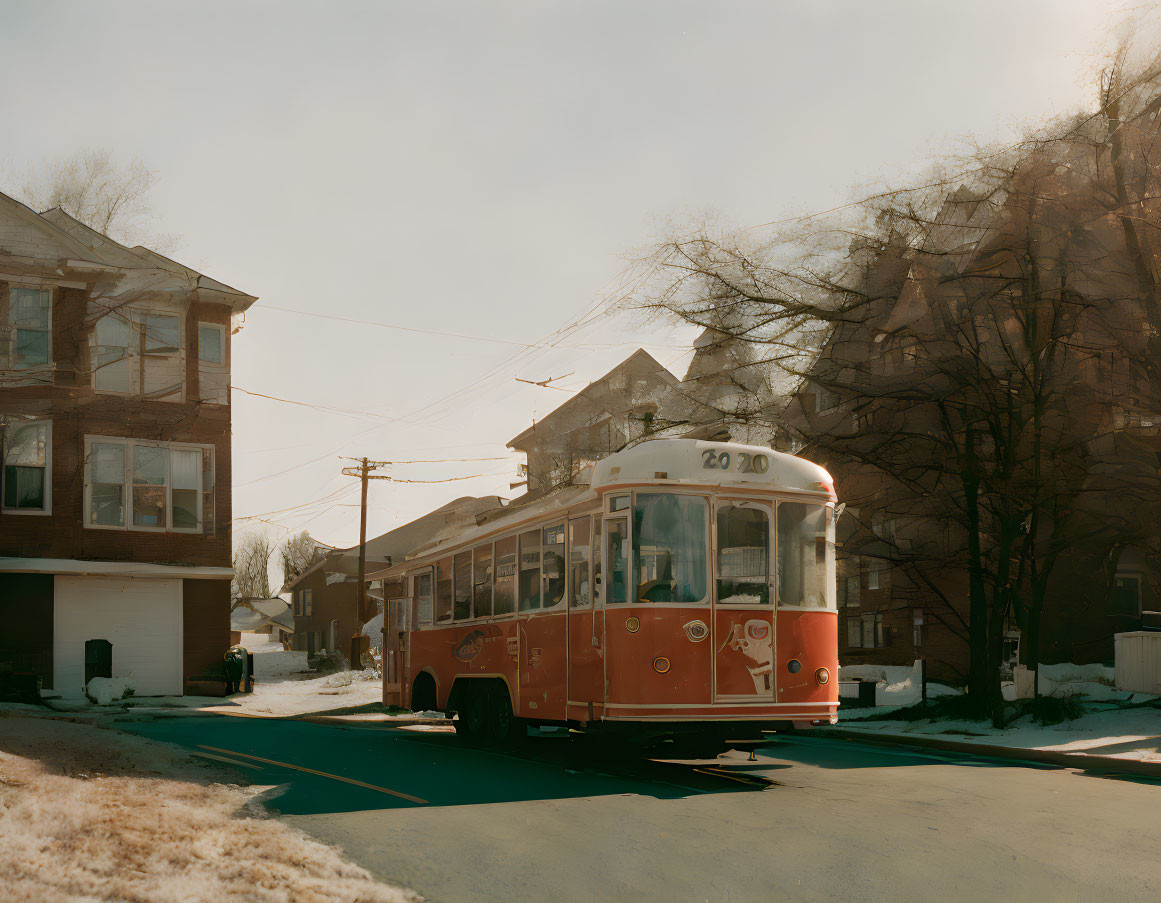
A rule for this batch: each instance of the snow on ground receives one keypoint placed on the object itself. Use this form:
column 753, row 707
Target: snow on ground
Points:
column 92, row 814
column 1107, row 728
column 344, row 689
column 260, row 642
column 1123, row 733
column 897, row 685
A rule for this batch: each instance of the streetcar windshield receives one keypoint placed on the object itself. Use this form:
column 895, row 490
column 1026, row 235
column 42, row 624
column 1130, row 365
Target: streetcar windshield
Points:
column 670, row 547
column 805, row 555
column 743, row 554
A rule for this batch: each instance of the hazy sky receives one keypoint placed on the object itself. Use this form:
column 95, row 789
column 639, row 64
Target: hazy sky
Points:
column 486, row 168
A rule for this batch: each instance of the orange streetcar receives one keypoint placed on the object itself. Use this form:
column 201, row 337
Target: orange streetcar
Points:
column 686, row 593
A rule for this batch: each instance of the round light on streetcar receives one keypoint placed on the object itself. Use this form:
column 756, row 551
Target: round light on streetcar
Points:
column 822, row 676
column 661, row 664
column 794, row 666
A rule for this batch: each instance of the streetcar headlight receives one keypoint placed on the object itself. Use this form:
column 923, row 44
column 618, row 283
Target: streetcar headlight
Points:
column 822, row 676
column 661, row 664
column 794, row 666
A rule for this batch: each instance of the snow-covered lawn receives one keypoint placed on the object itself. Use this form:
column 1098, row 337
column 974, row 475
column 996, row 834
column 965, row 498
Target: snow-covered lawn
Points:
column 92, row 814
column 1106, row 729
column 1123, row 733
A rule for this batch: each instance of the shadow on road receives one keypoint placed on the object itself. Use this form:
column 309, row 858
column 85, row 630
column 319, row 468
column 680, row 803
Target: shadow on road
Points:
column 320, row 768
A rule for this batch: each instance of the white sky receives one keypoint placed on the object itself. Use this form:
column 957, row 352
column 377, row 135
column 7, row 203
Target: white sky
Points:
column 486, row 168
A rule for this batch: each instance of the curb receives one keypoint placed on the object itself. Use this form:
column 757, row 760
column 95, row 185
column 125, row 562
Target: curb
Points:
column 1078, row 760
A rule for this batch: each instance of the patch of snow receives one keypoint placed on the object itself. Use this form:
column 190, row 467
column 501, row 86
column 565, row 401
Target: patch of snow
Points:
column 1129, row 733
column 374, row 630
column 292, row 696
column 1070, row 673
column 107, row 690
column 260, row 642
column 898, row 685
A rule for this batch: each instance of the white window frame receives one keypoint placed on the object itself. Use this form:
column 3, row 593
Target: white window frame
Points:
column 206, row 367
column 129, row 445
column 221, row 330
column 131, row 356
column 35, row 512
column 13, row 287
column 136, row 317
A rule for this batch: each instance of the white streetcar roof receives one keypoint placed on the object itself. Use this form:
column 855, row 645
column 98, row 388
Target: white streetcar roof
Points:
column 703, row 463
column 655, row 461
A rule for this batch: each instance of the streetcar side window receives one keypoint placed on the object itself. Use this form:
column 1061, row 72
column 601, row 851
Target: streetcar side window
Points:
column 670, row 547
column 482, row 582
column 463, row 586
column 552, row 566
column 617, row 557
column 596, row 547
column 530, row 570
column 580, row 589
column 743, row 555
column 805, row 555
column 504, row 602
column 443, row 590
column 421, row 592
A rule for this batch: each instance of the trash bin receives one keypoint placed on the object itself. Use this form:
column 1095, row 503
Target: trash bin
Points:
column 867, row 690
column 98, row 659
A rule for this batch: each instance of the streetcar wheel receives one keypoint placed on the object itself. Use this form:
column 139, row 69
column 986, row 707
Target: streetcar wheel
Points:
column 503, row 723
column 471, row 725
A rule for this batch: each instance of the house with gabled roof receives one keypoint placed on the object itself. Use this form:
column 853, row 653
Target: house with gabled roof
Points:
column 115, row 497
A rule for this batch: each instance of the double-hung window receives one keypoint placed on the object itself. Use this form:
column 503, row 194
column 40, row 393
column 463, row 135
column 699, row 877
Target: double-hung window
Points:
column 27, row 451
column 30, row 319
column 161, row 365
column 112, row 356
column 139, row 352
column 140, row 485
column 213, row 375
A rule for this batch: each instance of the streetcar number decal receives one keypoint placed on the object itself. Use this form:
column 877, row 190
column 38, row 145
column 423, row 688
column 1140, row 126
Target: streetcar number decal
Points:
column 745, row 463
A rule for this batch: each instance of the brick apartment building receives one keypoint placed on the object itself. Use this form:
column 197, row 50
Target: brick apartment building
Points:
column 924, row 310
column 115, row 432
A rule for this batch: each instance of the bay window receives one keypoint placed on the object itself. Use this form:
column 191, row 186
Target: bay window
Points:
column 141, row 485
column 27, row 453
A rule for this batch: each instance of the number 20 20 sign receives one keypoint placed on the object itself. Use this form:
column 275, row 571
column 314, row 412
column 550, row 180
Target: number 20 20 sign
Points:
column 744, row 462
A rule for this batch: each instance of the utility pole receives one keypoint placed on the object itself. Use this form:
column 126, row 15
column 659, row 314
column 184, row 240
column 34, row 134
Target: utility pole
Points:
column 364, row 473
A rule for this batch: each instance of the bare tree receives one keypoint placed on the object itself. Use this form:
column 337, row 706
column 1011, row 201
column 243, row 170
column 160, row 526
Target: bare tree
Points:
column 297, row 552
column 252, row 565
column 964, row 349
column 100, row 191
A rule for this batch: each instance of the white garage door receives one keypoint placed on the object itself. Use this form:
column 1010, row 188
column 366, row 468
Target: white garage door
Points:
column 140, row 616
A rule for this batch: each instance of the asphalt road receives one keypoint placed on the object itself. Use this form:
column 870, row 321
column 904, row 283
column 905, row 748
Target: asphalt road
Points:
column 810, row 820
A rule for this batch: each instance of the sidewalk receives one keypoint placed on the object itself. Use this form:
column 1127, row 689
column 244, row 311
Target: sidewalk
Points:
column 1107, row 738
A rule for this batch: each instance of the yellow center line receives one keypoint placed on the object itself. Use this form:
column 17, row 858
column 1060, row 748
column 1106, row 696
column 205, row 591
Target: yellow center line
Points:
column 321, row 774
column 203, row 755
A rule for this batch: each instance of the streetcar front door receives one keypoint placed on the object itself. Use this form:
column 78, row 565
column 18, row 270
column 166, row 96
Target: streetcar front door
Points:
column 586, row 620
column 744, row 600
column 394, row 649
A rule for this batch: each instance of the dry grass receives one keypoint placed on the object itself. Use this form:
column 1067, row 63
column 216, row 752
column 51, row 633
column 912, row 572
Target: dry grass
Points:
column 95, row 815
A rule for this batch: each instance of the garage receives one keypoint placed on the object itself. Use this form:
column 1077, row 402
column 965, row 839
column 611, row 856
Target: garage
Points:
column 140, row 616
